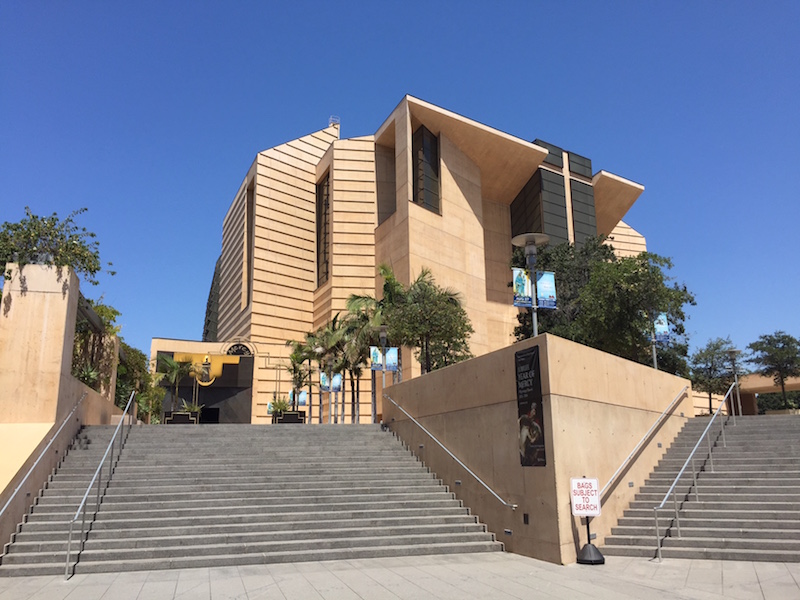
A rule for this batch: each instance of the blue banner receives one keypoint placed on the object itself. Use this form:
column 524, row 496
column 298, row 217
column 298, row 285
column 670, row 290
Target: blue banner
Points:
column 302, row 399
column 323, row 382
column 376, row 359
column 522, row 288
column 546, row 289
column 661, row 327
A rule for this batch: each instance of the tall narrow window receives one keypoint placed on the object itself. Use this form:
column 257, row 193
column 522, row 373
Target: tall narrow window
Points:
column 323, row 229
column 425, row 151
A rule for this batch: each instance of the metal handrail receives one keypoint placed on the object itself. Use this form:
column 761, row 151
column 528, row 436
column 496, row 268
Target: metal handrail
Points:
column 690, row 459
column 641, row 442
column 46, row 448
column 453, row 456
column 98, row 477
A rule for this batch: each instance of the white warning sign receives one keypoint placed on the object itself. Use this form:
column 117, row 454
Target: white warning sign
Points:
column 585, row 496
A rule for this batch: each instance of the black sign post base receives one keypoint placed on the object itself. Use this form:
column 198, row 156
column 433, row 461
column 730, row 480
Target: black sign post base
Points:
column 589, row 554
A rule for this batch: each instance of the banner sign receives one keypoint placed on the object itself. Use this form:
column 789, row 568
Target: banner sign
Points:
column 522, row 288
column 302, row 397
column 376, row 359
column 323, row 382
column 391, row 359
column 662, row 328
column 529, row 407
column 585, row 495
column 546, row 289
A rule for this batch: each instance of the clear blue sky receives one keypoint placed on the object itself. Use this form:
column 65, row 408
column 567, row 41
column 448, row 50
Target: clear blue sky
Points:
column 150, row 113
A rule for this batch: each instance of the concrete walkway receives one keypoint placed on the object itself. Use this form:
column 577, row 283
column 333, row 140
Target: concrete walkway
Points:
column 457, row 577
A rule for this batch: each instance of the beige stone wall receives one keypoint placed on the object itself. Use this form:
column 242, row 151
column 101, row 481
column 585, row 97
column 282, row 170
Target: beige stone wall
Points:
column 37, row 331
column 596, row 408
column 626, row 241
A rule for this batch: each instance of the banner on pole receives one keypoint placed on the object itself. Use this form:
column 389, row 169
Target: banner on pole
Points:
column 546, row 289
column 325, row 386
column 376, row 359
column 662, row 329
column 522, row 288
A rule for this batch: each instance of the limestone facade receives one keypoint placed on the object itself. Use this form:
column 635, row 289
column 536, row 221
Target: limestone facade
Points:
column 314, row 217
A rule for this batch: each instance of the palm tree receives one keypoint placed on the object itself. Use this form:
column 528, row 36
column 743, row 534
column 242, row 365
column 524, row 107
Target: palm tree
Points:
column 174, row 372
column 363, row 322
column 297, row 369
column 326, row 345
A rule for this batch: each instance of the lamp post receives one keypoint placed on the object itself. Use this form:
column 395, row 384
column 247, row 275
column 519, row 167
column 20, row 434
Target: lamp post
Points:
column 319, row 351
column 732, row 354
column 530, row 242
column 330, row 389
column 383, row 353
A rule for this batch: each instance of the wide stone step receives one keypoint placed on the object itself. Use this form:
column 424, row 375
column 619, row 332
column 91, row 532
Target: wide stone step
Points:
column 703, row 553
column 256, row 558
column 743, row 522
column 786, row 545
column 157, row 539
column 719, row 498
column 205, row 493
column 693, row 511
column 442, row 500
column 286, row 545
column 729, row 504
column 308, row 514
column 316, row 521
column 712, row 530
column 256, row 501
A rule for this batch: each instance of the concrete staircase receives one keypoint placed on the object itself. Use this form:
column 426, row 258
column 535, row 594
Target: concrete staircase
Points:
column 218, row 495
column 748, row 509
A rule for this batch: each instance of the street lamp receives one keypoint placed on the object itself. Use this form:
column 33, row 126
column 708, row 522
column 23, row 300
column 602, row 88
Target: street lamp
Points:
column 530, row 241
column 732, row 354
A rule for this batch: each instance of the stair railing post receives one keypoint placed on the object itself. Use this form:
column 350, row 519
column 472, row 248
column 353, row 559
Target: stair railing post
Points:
column 69, row 550
column 677, row 516
column 710, row 455
column 722, row 430
column 83, row 528
column 97, row 504
column 658, row 535
column 694, row 482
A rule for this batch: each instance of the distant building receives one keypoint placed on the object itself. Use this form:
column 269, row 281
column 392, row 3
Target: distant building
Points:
column 314, row 217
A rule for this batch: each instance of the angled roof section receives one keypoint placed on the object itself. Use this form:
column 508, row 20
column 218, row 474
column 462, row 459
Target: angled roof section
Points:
column 613, row 197
column 506, row 162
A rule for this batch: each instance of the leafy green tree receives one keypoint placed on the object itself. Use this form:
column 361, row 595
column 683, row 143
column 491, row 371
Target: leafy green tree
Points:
column 573, row 268
column 778, row 356
column 51, row 241
column 775, row 401
column 426, row 317
column 711, row 367
column 610, row 303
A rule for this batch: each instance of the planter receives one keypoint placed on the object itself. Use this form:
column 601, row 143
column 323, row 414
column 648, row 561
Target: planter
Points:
column 181, row 418
column 290, row 416
column 783, row 411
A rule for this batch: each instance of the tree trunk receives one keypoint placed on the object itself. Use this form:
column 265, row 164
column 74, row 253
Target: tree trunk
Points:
column 783, row 391
column 710, row 406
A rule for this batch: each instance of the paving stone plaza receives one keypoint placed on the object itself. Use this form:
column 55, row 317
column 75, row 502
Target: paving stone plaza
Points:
column 458, row 577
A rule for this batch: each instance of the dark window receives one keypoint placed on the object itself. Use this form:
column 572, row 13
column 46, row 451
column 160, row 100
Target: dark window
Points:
column 323, row 229
column 425, row 150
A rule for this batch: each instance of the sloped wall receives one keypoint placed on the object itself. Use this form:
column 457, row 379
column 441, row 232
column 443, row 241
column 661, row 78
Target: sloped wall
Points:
column 596, row 409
